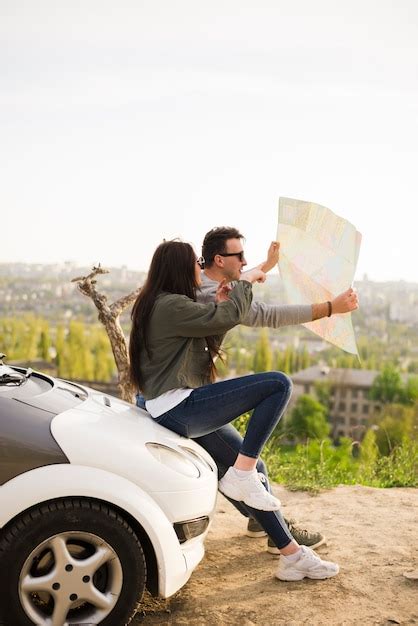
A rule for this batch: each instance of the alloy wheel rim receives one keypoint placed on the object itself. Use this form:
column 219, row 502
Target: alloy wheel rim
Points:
column 69, row 578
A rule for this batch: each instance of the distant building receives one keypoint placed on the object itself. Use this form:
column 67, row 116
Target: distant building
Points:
column 351, row 408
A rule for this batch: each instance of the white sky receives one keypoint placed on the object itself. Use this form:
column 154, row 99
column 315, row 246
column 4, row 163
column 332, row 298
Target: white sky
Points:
column 125, row 122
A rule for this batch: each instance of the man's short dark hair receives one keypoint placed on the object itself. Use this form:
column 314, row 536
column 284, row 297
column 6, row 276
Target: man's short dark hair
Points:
column 215, row 242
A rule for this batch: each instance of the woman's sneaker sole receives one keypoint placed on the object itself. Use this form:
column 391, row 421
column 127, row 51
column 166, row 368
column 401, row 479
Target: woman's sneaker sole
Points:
column 300, row 576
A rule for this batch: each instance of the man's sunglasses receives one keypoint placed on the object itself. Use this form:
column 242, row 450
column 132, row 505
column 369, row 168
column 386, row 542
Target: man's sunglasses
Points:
column 240, row 254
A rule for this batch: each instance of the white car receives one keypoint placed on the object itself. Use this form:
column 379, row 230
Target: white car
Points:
column 97, row 503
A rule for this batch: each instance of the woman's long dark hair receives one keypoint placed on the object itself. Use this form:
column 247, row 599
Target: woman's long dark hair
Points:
column 172, row 270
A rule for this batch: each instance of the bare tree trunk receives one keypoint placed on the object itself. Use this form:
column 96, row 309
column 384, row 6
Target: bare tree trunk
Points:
column 109, row 315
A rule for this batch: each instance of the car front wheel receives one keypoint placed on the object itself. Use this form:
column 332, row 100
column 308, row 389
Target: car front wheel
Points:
column 70, row 561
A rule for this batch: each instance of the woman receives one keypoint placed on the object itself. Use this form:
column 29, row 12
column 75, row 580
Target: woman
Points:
column 172, row 347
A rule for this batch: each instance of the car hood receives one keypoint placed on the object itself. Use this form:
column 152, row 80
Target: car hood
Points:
column 110, row 434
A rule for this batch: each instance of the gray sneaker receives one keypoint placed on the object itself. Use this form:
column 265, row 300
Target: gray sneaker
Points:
column 254, row 529
column 302, row 536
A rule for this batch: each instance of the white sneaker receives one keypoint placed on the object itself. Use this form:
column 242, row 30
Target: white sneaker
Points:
column 249, row 490
column 309, row 565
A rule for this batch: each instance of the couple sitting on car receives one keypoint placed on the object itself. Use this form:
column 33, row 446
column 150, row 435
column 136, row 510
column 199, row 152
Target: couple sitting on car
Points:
column 178, row 323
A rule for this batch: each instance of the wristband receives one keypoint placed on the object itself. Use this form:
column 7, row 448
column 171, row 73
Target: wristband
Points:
column 329, row 308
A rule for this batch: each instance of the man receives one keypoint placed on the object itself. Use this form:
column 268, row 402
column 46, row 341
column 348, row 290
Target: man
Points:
column 224, row 259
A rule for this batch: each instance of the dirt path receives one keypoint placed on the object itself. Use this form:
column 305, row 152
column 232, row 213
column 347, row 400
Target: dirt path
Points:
column 372, row 534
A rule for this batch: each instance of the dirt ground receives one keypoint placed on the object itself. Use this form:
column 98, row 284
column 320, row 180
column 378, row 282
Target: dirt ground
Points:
column 371, row 533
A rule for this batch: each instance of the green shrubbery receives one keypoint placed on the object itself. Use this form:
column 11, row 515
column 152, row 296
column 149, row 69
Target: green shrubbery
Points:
column 318, row 464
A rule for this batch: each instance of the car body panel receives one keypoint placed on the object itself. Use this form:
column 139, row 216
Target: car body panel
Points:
column 26, row 441
column 175, row 562
column 114, row 438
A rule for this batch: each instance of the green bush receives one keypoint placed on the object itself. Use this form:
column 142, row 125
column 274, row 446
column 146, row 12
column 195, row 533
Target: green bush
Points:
column 318, row 464
column 400, row 468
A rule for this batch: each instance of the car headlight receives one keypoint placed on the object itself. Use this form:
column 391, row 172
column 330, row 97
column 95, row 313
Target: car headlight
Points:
column 191, row 528
column 173, row 459
column 198, row 458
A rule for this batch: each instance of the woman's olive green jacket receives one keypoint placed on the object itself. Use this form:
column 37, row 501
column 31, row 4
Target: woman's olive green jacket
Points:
column 176, row 336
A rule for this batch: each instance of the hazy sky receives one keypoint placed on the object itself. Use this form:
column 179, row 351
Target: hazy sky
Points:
column 125, row 122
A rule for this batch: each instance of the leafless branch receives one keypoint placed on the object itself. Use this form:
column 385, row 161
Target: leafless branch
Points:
column 109, row 316
column 120, row 305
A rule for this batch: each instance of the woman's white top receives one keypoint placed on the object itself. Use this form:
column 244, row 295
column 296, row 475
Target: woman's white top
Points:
column 167, row 401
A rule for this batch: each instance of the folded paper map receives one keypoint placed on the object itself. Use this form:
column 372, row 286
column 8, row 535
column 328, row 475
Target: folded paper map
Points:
column 318, row 257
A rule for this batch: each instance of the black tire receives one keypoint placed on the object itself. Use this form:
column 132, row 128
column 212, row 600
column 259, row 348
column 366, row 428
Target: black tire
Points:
column 71, row 515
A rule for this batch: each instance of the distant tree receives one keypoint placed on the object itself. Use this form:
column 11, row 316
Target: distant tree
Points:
column 103, row 363
column 44, row 345
column 410, row 391
column 307, row 420
column 305, row 359
column 387, row 386
column 28, row 341
column 61, row 353
column 369, row 453
column 8, row 337
column 413, row 367
column 80, row 359
column 288, row 360
column 323, row 392
column 263, row 358
column 347, row 361
column 395, row 423
column 291, row 360
column 242, row 359
column 372, row 362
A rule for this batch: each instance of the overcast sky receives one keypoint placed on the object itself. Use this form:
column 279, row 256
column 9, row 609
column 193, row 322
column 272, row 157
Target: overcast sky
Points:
column 125, row 122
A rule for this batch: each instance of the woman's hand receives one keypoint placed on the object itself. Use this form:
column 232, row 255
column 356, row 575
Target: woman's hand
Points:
column 222, row 291
column 256, row 275
column 345, row 302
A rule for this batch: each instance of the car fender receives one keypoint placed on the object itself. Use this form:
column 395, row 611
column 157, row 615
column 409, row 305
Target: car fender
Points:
column 65, row 480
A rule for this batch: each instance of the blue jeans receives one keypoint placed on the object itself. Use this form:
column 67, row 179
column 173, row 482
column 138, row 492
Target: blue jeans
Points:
column 224, row 443
column 212, row 406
